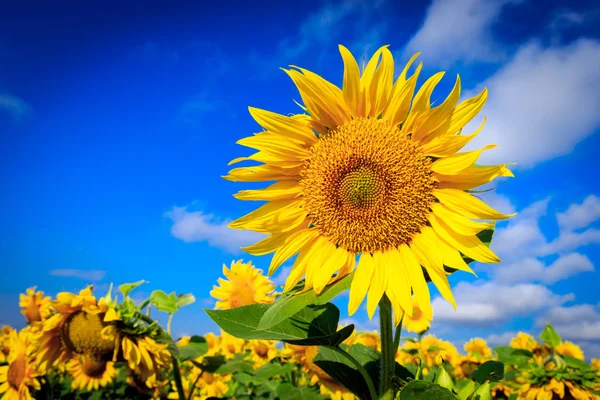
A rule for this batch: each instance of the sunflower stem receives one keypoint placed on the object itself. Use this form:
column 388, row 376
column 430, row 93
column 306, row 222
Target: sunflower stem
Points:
column 177, row 376
column 387, row 348
column 169, row 324
column 397, row 337
column 360, row 368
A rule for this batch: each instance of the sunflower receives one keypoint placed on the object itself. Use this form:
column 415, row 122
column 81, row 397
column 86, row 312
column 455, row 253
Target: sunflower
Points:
column 245, row 285
column 327, row 385
column 262, row 351
column 90, row 374
column 524, row 341
column 75, row 328
column 372, row 172
column 230, row 345
column 501, row 391
column 431, row 351
column 418, row 320
column 595, row 362
column 369, row 339
column 567, row 348
column 212, row 385
column 35, row 306
column 478, row 348
column 144, row 356
column 552, row 389
column 20, row 375
column 5, row 335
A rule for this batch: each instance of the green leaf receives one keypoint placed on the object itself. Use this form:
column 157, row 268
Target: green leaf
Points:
column 232, row 366
column 488, row 371
column 483, row 392
column 290, row 303
column 271, row 370
column 243, row 378
column 550, row 336
column 576, row 363
column 444, row 379
column 164, row 302
column 512, row 356
column 313, row 325
column 298, row 393
column 185, row 300
column 128, row 287
column 144, row 304
column 421, row 390
column 211, row 363
column 197, row 347
column 467, row 390
column 344, row 372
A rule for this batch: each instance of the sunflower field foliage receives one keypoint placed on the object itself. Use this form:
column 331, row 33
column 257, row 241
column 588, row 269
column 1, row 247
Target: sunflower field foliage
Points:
column 369, row 193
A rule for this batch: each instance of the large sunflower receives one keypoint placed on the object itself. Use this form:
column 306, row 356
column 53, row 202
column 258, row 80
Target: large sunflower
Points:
column 371, row 172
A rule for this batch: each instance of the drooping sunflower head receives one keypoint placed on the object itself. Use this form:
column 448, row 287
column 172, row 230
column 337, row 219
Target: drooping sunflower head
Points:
column 477, row 348
column 567, row 348
column 90, row 374
column 35, row 306
column 370, row 172
column 245, row 285
column 419, row 320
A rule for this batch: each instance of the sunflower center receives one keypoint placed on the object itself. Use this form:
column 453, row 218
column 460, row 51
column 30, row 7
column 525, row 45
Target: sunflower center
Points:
column 417, row 313
column 262, row 350
column 208, row 378
column 82, row 333
column 16, row 372
column 92, row 368
column 367, row 187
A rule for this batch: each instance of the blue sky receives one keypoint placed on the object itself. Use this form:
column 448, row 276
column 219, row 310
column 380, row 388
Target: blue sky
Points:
column 117, row 123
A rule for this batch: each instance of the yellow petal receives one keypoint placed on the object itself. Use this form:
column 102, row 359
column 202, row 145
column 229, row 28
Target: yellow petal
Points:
column 445, row 146
column 466, row 111
column 264, row 212
column 470, row 246
column 459, row 162
column 437, row 117
column 322, row 250
column 291, row 128
column 332, row 264
column 465, row 204
column 299, row 267
column 381, row 85
column 399, row 289
column 424, row 248
column 293, row 245
column 416, row 278
column 402, row 77
column 361, row 282
column 452, row 257
column 473, row 177
column 261, row 173
column 351, row 85
column 378, row 284
column 460, row 224
column 275, row 145
column 399, row 105
column 277, row 191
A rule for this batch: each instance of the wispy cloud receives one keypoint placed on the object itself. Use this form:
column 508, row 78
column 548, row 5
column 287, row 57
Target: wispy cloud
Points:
column 577, row 322
column 542, row 103
column 196, row 107
column 14, row 105
column 458, row 30
column 92, row 275
column 197, row 226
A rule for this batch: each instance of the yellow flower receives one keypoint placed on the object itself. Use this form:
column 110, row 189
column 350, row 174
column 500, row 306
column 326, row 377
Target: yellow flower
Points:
column 262, row 351
column 327, row 385
column 35, row 306
column 371, row 172
column 75, row 328
column 523, row 341
column 431, row 350
column 5, row 335
column 419, row 320
column 478, row 348
column 596, row 364
column 20, row 375
column 552, row 389
column 369, row 339
column 144, row 356
column 465, row 366
column 578, row 393
column 501, row 391
column 567, row 348
column 230, row 345
column 213, row 343
column 212, row 385
column 89, row 374
column 245, row 285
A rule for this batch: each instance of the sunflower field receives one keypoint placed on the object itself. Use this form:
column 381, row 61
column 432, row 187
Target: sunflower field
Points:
column 371, row 196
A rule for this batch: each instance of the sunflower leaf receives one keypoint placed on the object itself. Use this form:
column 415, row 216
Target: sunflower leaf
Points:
column 313, row 325
column 128, row 287
column 164, row 302
column 198, row 346
column 422, row 390
column 550, row 336
column 488, row 371
column 289, row 304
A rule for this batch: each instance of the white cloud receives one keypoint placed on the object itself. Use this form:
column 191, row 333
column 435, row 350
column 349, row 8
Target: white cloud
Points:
column 281, row 277
column 542, row 103
column 14, row 105
column 578, row 322
column 199, row 227
column 580, row 216
column 92, row 275
column 486, row 302
column 531, row 269
column 502, row 339
column 498, row 201
column 456, row 30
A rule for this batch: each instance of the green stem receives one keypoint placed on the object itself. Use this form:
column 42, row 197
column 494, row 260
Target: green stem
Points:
column 360, row 368
column 388, row 354
column 169, row 324
column 397, row 336
column 178, row 384
column 191, row 395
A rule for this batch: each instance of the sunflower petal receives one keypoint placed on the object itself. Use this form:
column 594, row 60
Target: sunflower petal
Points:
column 293, row 245
column 465, row 204
column 452, row 257
column 378, row 284
column 397, row 274
column 473, row 177
column 460, row 224
column 399, row 104
column 415, row 275
column 381, row 85
column 436, row 117
column 351, row 85
column 321, row 251
column 459, row 162
column 332, row 264
column 277, row 191
column 361, row 282
column 466, row 111
column 445, row 146
column 292, row 128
